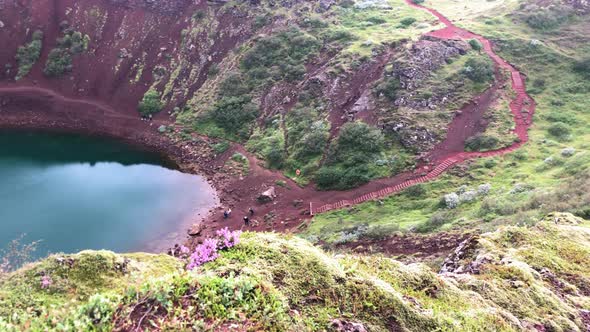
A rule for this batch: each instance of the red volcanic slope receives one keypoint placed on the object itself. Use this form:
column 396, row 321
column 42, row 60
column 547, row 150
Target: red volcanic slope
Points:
column 522, row 117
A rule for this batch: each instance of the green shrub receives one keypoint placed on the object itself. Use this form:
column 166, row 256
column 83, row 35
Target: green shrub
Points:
column 282, row 55
column 59, row 61
column 479, row 70
column 347, row 164
column 406, row 22
column 414, row 191
column 559, row 130
column 307, row 136
column 150, row 104
column 475, row 44
column 357, row 140
column 261, row 21
column 435, row 221
column 199, row 15
column 220, row 147
column 233, row 85
column 546, row 18
column 27, row 55
column 339, row 35
column 583, row 67
column 389, row 88
column 234, row 114
column 481, row 143
column 275, row 156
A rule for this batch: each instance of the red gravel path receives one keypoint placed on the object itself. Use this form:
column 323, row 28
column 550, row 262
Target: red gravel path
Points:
column 446, row 154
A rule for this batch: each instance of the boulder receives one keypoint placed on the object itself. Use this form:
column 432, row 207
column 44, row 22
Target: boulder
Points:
column 196, row 229
column 267, row 196
column 1, row 24
column 341, row 325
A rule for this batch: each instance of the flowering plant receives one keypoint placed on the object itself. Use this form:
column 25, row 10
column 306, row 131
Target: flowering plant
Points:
column 46, row 281
column 208, row 250
column 227, row 238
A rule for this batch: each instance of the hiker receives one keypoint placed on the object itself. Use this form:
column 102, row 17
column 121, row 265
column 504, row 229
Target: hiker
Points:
column 251, row 210
column 246, row 221
column 229, row 212
column 225, row 214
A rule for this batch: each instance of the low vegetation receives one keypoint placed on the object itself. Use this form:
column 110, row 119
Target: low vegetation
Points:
column 27, row 55
column 351, row 157
column 286, row 284
column 150, row 104
column 59, row 60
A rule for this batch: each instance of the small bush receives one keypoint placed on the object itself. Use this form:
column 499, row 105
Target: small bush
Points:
column 234, row 113
column 475, row 44
column 406, row 22
column 546, row 18
column 27, row 55
column 481, row 143
column 484, row 189
column 417, row 190
column 59, row 61
column 220, row 147
column 583, row 67
column 389, row 88
column 199, row 15
column 150, row 104
column 559, row 130
column 451, row 200
column 435, row 221
column 479, row 70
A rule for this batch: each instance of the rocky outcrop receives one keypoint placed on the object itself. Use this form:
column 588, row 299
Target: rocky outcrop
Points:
column 412, row 137
column 464, row 252
column 341, row 325
column 267, row 196
column 424, row 57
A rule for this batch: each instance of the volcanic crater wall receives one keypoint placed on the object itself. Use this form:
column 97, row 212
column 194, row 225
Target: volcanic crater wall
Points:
column 134, row 45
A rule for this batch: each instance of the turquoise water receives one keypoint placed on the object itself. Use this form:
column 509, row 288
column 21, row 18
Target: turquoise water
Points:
column 75, row 192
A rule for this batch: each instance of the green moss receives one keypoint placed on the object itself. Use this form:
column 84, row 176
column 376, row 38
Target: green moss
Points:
column 282, row 283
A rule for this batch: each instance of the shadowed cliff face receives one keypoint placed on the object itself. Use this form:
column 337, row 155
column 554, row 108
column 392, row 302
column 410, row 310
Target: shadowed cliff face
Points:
column 133, row 45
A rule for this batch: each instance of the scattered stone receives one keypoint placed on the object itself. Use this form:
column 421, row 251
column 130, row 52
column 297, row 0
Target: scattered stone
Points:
column 1, row 24
column 267, row 196
column 124, row 53
column 341, row 325
column 196, row 229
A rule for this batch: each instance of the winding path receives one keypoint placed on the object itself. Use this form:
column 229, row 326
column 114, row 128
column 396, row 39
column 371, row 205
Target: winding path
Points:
column 522, row 108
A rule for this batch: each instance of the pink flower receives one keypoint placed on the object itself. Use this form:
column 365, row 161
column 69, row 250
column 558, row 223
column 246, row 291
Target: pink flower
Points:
column 228, row 238
column 184, row 250
column 203, row 253
column 207, row 251
column 46, row 281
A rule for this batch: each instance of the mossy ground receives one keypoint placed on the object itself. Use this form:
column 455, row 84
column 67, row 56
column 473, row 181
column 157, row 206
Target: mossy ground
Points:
column 283, row 283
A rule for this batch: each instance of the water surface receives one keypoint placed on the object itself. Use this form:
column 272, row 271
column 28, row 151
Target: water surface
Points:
column 74, row 192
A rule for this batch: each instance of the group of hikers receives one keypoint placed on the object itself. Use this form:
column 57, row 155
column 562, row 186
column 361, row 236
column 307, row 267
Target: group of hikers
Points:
column 227, row 214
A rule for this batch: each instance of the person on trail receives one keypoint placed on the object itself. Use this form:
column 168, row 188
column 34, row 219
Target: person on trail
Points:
column 229, row 212
column 251, row 210
column 246, row 221
column 225, row 214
